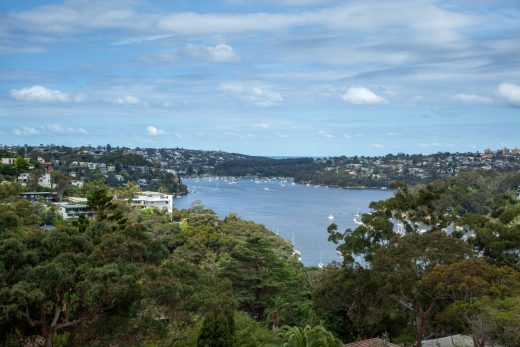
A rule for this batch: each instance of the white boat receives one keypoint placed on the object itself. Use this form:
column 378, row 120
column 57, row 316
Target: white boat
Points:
column 330, row 217
column 357, row 219
column 265, row 188
column 295, row 251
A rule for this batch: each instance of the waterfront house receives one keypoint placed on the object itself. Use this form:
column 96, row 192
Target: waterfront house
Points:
column 154, row 199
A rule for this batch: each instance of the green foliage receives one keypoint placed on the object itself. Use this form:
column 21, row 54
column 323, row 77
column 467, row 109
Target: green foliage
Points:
column 261, row 279
column 411, row 282
column 217, row 330
column 306, row 337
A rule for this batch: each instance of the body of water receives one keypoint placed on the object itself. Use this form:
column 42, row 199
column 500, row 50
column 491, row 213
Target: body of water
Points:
column 297, row 212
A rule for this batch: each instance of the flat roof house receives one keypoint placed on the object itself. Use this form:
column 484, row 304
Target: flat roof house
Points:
column 72, row 211
column 154, row 199
column 40, row 196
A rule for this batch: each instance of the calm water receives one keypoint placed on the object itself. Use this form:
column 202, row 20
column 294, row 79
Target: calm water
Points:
column 297, row 212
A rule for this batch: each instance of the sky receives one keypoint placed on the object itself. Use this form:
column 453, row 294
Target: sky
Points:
column 265, row 77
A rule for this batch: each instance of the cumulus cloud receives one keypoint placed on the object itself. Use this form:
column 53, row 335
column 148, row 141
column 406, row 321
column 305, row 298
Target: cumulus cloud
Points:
column 510, row 92
column 252, row 93
column 54, row 129
column 26, row 131
column 128, row 100
column 362, row 96
column 221, row 53
column 42, row 94
column 154, row 131
column 472, row 98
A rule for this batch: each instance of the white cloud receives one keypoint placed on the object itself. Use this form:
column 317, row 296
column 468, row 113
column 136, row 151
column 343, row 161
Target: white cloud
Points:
column 252, row 93
column 41, row 94
column 54, row 128
column 439, row 23
column 510, row 92
column 262, row 125
column 26, row 131
column 377, row 145
column 154, row 131
column 221, row 53
column 392, row 133
column 128, row 100
column 324, row 133
column 362, row 96
column 137, row 40
column 472, row 98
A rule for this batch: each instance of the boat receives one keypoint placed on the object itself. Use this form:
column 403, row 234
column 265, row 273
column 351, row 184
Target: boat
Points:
column 357, row 219
column 265, row 188
column 330, row 217
column 295, row 251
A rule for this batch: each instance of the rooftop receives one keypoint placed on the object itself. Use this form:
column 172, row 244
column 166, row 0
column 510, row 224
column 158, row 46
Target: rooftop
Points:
column 375, row 342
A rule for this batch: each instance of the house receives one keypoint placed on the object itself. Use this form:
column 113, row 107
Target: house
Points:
column 376, row 342
column 8, row 161
column 154, row 199
column 46, row 181
column 142, row 182
column 49, row 167
column 72, row 211
column 77, row 183
column 449, row 341
column 40, row 196
column 23, row 178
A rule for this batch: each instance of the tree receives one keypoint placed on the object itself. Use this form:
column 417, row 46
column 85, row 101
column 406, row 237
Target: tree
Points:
column 217, row 330
column 61, row 182
column 464, row 284
column 258, row 276
column 307, row 337
column 20, row 164
column 99, row 201
column 401, row 268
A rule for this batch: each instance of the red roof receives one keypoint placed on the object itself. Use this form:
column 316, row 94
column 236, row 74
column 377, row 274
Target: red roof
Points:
column 375, row 342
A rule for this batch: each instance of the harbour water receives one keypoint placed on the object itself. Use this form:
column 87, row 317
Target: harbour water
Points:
column 297, row 212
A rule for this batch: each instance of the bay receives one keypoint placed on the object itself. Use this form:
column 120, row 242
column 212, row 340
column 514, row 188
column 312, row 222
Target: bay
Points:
column 297, row 212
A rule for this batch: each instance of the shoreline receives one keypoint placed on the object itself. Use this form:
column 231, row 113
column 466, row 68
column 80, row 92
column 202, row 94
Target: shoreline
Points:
column 291, row 179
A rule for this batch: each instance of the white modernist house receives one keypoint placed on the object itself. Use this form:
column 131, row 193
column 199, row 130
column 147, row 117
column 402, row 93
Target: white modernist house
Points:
column 154, row 199
column 72, row 211
column 46, row 181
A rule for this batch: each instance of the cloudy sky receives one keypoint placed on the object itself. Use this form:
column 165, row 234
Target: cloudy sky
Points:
column 268, row 77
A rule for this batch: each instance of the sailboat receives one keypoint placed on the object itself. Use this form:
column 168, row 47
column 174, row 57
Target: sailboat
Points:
column 295, row 251
column 320, row 264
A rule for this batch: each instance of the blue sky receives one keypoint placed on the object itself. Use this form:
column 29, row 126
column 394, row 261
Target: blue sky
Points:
column 270, row 77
